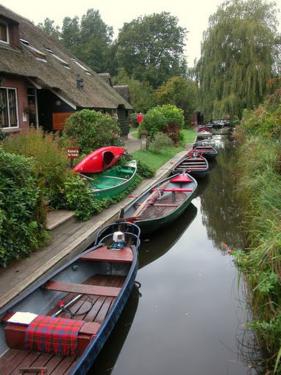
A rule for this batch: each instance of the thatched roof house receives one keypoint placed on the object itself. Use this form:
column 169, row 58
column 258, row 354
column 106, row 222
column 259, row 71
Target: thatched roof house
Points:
column 41, row 83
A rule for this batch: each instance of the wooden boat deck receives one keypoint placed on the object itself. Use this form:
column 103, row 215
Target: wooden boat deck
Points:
column 90, row 308
column 163, row 206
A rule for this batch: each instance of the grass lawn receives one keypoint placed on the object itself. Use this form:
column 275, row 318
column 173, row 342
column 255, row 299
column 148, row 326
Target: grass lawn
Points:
column 154, row 161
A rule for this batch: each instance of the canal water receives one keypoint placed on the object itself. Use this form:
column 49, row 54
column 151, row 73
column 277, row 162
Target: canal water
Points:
column 190, row 315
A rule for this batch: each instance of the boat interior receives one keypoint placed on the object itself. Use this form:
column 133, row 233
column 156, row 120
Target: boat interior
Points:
column 85, row 291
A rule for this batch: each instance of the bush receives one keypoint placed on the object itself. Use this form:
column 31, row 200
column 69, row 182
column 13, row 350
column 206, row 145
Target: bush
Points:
column 79, row 197
column 160, row 142
column 50, row 161
column 90, row 130
column 21, row 214
column 166, row 119
column 144, row 170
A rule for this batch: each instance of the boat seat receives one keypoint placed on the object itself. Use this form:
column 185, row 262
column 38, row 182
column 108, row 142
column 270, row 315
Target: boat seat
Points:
column 103, row 254
column 178, row 190
column 15, row 335
column 96, row 290
column 116, row 178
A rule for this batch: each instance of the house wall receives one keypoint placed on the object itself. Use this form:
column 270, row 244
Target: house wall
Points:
column 20, row 85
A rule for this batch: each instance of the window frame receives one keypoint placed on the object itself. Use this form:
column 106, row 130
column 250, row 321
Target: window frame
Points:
column 7, row 31
column 9, row 127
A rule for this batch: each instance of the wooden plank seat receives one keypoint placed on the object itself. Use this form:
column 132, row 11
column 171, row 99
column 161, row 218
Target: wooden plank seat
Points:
column 96, row 290
column 103, row 254
column 15, row 335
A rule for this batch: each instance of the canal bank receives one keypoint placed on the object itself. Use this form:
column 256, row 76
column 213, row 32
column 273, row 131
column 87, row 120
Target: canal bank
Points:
column 66, row 241
column 191, row 314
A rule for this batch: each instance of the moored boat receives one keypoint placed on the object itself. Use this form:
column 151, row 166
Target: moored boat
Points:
column 208, row 151
column 60, row 323
column 194, row 163
column 100, row 159
column 113, row 181
column 162, row 203
column 203, row 132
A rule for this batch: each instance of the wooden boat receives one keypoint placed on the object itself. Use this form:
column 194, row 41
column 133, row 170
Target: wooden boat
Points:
column 100, row 160
column 203, row 132
column 194, row 163
column 162, row 203
column 208, row 151
column 59, row 324
column 113, row 181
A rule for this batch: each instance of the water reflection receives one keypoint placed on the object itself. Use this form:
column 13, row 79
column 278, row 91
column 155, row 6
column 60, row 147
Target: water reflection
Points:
column 111, row 350
column 220, row 205
column 190, row 319
column 166, row 238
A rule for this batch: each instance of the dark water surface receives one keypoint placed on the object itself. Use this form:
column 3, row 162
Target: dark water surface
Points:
column 189, row 318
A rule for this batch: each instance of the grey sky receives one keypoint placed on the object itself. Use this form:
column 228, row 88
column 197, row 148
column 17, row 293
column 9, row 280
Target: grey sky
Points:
column 193, row 15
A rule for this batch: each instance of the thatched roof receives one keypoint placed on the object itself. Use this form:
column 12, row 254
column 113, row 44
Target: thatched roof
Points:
column 59, row 71
column 123, row 90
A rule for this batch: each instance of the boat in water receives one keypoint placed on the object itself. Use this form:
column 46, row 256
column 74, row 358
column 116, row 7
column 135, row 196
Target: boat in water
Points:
column 60, row 323
column 100, row 160
column 113, row 181
column 208, row 151
column 162, row 203
column 193, row 163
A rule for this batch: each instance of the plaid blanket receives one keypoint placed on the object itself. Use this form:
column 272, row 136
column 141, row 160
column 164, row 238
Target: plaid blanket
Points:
column 53, row 335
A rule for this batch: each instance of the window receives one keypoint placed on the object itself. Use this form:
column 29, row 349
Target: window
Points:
column 8, row 108
column 4, row 35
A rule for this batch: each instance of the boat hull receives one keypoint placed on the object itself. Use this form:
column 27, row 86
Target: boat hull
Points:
column 149, row 225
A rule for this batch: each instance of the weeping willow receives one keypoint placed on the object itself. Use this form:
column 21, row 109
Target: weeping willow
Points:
column 237, row 57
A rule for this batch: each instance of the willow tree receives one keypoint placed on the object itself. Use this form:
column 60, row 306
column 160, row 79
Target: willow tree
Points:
column 237, row 57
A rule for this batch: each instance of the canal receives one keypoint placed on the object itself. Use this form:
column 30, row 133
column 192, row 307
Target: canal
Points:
column 190, row 314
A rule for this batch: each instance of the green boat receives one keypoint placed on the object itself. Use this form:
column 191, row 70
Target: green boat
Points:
column 114, row 181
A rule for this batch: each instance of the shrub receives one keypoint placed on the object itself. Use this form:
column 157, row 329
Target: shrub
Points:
column 166, row 119
column 160, row 142
column 90, row 130
column 21, row 214
column 50, row 161
column 144, row 170
column 79, row 197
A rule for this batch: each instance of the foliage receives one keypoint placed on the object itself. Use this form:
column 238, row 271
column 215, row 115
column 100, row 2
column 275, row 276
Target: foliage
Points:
column 90, row 130
column 160, row 142
column 2, row 135
column 180, row 92
column 49, row 27
column 79, row 197
column 144, row 170
column 264, row 120
column 151, row 48
column 89, row 39
column 50, row 161
column 21, row 214
column 141, row 93
column 166, row 119
column 259, row 190
column 237, row 57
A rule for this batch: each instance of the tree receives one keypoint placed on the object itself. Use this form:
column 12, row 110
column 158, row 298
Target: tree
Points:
column 181, row 92
column 237, row 57
column 89, row 39
column 70, row 34
column 151, row 48
column 141, row 93
column 49, row 27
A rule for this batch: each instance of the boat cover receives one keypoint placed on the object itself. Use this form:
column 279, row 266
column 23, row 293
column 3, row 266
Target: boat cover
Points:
column 53, row 335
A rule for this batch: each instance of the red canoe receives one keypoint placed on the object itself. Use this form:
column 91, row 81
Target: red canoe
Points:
column 100, row 159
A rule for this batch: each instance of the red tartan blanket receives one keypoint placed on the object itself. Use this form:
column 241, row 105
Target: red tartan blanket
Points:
column 53, row 335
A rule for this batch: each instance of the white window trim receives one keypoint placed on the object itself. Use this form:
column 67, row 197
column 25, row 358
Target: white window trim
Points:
column 17, row 108
column 8, row 34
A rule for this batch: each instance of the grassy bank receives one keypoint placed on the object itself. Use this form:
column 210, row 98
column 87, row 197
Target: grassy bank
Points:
column 260, row 192
column 155, row 160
